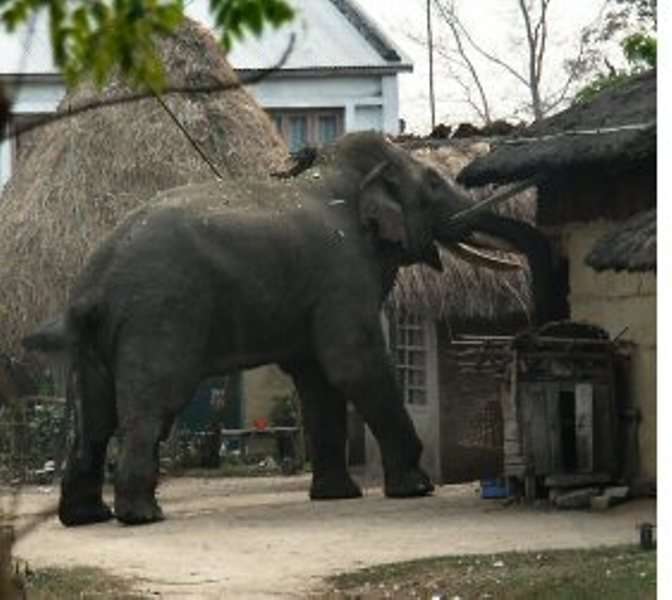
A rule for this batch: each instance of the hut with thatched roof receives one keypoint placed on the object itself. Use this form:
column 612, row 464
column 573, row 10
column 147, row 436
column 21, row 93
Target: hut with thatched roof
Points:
column 631, row 247
column 82, row 174
column 456, row 410
column 597, row 202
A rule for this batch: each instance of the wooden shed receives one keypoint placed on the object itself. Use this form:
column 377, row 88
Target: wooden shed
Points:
column 561, row 408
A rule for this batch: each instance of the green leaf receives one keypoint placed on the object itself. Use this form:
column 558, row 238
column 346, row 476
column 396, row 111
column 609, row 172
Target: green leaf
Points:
column 640, row 47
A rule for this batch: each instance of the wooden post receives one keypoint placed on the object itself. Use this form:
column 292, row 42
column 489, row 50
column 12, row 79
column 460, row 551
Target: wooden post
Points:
column 7, row 537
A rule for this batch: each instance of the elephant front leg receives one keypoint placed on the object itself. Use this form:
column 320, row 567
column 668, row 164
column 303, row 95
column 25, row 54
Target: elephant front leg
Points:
column 355, row 362
column 325, row 418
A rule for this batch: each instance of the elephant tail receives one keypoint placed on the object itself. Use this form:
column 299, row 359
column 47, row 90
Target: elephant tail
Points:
column 75, row 328
column 83, row 322
column 51, row 336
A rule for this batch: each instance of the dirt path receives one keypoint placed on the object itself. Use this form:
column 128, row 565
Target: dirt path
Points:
column 263, row 538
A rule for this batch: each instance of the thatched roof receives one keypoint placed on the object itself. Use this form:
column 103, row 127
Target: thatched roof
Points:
column 615, row 130
column 631, row 247
column 464, row 292
column 85, row 173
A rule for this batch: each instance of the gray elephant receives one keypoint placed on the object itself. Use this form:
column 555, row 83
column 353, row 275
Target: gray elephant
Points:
column 226, row 276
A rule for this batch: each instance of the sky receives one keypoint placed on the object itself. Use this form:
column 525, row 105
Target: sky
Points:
column 497, row 25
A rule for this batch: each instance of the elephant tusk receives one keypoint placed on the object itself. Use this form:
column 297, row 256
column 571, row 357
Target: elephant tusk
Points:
column 474, row 256
column 486, row 241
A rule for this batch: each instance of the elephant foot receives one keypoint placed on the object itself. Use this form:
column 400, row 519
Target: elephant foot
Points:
column 409, row 484
column 71, row 514
column 334, row 487
column 138, row 512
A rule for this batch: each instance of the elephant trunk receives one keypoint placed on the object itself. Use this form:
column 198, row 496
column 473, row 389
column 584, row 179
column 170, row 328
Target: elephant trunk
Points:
column 512, row 234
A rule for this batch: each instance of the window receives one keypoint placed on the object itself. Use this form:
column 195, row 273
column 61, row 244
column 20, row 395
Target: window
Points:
column 410, row 355
column 298, row 132
column 310, row 127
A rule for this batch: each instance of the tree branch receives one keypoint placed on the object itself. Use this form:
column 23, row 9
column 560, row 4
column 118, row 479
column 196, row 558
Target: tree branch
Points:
column 532, row 61
column 492, row 58
column 542, row 25
column 452, row 24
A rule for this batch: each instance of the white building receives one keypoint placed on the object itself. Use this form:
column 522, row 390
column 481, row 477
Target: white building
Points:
column 341, row 76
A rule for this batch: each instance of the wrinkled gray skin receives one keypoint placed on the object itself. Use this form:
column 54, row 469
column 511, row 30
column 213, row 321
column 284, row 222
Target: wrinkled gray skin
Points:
column 189, row 288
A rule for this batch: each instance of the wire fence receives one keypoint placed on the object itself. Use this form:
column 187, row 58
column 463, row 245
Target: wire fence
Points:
column 34, row 434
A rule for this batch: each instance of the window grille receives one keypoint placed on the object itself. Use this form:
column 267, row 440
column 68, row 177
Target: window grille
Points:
column 309, row 127
column 410, row 354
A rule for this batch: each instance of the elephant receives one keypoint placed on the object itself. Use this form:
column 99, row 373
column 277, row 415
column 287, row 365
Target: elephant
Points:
column 218, row 277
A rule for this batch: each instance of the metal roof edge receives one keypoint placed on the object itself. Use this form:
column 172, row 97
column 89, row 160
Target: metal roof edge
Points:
column 57, row 78
column 336, row 70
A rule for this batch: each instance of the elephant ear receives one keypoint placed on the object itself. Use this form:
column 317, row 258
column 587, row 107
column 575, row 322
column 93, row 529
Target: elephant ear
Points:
column 379, row 209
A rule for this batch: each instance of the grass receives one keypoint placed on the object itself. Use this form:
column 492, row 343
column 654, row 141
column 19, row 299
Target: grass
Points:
column 617, row 573
column 85, row 583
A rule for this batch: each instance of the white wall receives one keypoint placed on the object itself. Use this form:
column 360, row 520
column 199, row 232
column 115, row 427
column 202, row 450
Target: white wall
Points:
column 32, row 97
column 369, row 102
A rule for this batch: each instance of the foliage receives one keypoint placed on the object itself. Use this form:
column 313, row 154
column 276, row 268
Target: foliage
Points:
column 640, row 50
column 93, row 37
column 634, row 22
column 601, row 82
column 233, row 17
column 284, row 411
column 30, row 435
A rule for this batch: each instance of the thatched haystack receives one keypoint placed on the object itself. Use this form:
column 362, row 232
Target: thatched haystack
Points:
column 464, row 293
column 85, row 173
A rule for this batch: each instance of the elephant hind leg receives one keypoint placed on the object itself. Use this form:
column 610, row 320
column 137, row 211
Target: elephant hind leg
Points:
column 154, row 380
column 325, row 418
column 81, row 500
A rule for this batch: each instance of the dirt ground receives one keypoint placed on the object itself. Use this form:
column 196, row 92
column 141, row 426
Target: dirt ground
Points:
column 262, row 538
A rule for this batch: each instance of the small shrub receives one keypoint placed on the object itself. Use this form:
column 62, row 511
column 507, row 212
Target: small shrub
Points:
column 284, row 411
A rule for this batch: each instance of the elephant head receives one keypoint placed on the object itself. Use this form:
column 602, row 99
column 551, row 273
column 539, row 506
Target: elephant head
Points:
column 409, row 206
column 388, row 186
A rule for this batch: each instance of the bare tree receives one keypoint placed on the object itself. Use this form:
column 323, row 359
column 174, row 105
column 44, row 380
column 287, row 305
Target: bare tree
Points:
column 430, row 46
column 537, row 34
column 464, row 57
